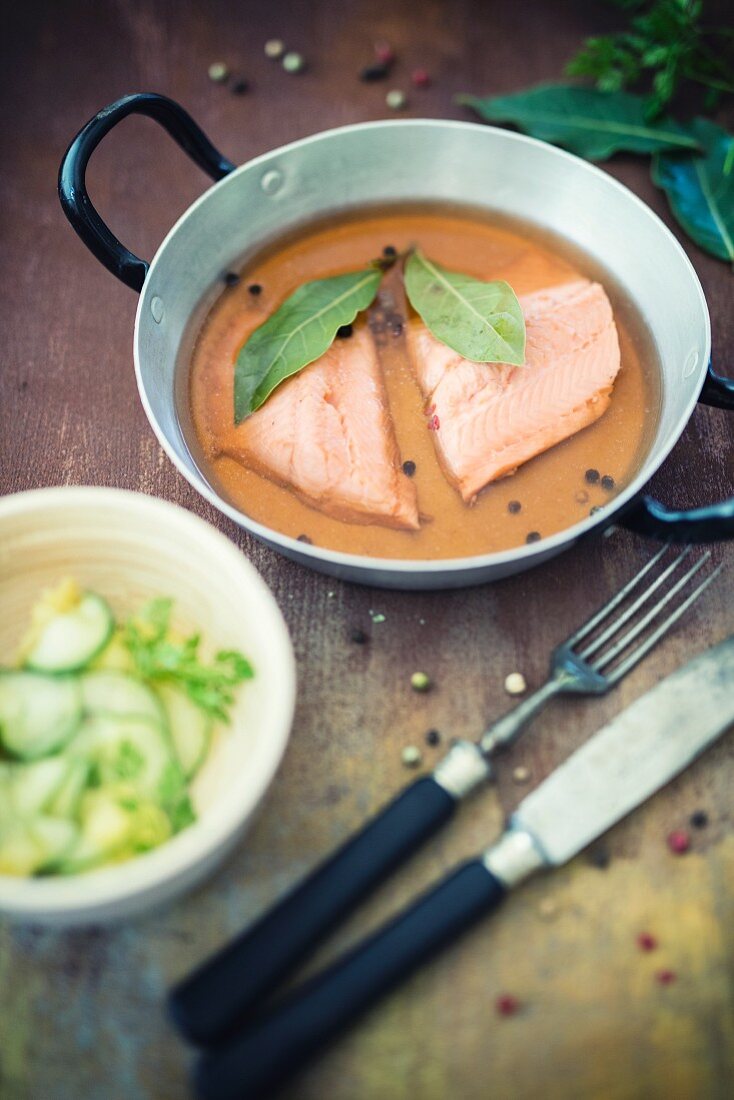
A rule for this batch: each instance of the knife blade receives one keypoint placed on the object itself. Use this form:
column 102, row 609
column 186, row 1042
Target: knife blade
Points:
column 636, row 754
column 639, row 751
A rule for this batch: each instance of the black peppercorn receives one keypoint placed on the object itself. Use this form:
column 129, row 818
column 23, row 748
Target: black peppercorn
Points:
column 231, row 278
column 592, row 476
column 607, row 482
column 409, row 468
column 599, row 857
column 532, row 536
column 255, row 289
column 514, row 507
column 377, row 71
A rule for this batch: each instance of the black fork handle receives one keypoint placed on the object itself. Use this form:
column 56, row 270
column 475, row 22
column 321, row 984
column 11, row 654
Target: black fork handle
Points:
column 235, row 982
column 257, row 1062
column 75, row 200
column 647, row 516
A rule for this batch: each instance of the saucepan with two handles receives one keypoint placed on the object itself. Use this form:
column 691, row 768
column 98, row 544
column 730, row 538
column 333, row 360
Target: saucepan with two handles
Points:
column 421, row 161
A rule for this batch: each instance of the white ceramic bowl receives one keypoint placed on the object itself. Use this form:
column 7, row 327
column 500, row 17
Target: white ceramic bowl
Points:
column 130, row 548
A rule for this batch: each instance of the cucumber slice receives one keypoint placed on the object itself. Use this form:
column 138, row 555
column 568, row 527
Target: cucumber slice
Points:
column 65, row 802
column 130, row 749
column 69, row 640
column 115, row 693
column 55, row 837
column 104, row 831
column 34, row 786
column 190, row 726
column 6, row 804
column 27, row 848
column 116, row 825
column 115, row 657
column 19, row 853
column 38, row 714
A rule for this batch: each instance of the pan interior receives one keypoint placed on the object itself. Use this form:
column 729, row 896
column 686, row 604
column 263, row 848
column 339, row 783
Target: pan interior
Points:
column 553, row 490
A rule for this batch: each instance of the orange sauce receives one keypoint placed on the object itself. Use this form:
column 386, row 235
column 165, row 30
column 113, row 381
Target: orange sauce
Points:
column 551, row 488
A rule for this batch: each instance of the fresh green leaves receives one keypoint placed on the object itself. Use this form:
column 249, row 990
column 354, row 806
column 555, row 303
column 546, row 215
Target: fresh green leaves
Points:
column 481, row 321
column 665, row 46
column 700, row 188
column 588, row 122
column 693, row 163
column 159, row 655
column 298, row 333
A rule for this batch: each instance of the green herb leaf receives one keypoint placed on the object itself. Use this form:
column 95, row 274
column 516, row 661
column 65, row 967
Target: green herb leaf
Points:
column 173, row 797
column 159, row 656
column 482, row 321
column 589, row 122
column 298, row 333
column 665, row 47
column 700, row 188
column 182, row 814
column 129, row 761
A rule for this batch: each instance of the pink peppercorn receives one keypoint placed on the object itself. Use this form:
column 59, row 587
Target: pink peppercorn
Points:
column 665, row 977
column 679, row 841
column 420, row 78
column 646, row 942
column 507, row 1005
column 434, row 423
column 384, row 53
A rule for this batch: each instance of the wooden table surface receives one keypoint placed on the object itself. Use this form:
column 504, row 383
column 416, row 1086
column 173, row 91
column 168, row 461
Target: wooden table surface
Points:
column 80, row 1012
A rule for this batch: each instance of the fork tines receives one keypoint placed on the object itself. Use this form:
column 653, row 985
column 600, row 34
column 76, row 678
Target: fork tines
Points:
column 641, row 610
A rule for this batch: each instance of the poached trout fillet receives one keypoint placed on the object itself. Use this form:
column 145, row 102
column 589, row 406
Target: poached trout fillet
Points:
column 489, row 418
column 327, row 433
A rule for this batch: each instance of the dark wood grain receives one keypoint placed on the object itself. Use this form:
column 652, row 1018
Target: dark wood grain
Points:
column 81, row 1012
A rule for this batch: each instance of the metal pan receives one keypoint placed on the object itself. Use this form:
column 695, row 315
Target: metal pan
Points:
column 423, row 160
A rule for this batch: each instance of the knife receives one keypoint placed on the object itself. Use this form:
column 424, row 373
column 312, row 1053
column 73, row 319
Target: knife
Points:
column 617, row 769
column 227, row 988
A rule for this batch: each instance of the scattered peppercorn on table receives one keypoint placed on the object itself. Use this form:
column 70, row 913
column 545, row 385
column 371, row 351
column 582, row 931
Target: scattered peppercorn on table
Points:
column 610, row 979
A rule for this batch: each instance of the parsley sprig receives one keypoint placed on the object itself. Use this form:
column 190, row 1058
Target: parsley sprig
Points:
column 665, row 46
column 159, row 655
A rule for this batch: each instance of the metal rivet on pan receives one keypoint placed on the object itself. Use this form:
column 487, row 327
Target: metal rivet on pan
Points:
column 690, row 364
column 272, row 182
column 156, row 308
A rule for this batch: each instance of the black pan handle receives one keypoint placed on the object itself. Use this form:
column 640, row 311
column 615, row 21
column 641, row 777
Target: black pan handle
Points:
column 262, row 1059
column 72, row 175
column 707, row 524
column 230, row 986
column 717, row 391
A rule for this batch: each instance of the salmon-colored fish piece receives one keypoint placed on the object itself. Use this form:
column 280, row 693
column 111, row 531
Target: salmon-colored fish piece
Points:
column 492, row 417
column 327, row 434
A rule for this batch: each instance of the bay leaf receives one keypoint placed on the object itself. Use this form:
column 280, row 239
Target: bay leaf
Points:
column 591, row 123
column 700, row 188
column 481, row 321
column 300, row 331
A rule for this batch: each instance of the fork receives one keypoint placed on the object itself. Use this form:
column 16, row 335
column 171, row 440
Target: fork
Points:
column 226, row 989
